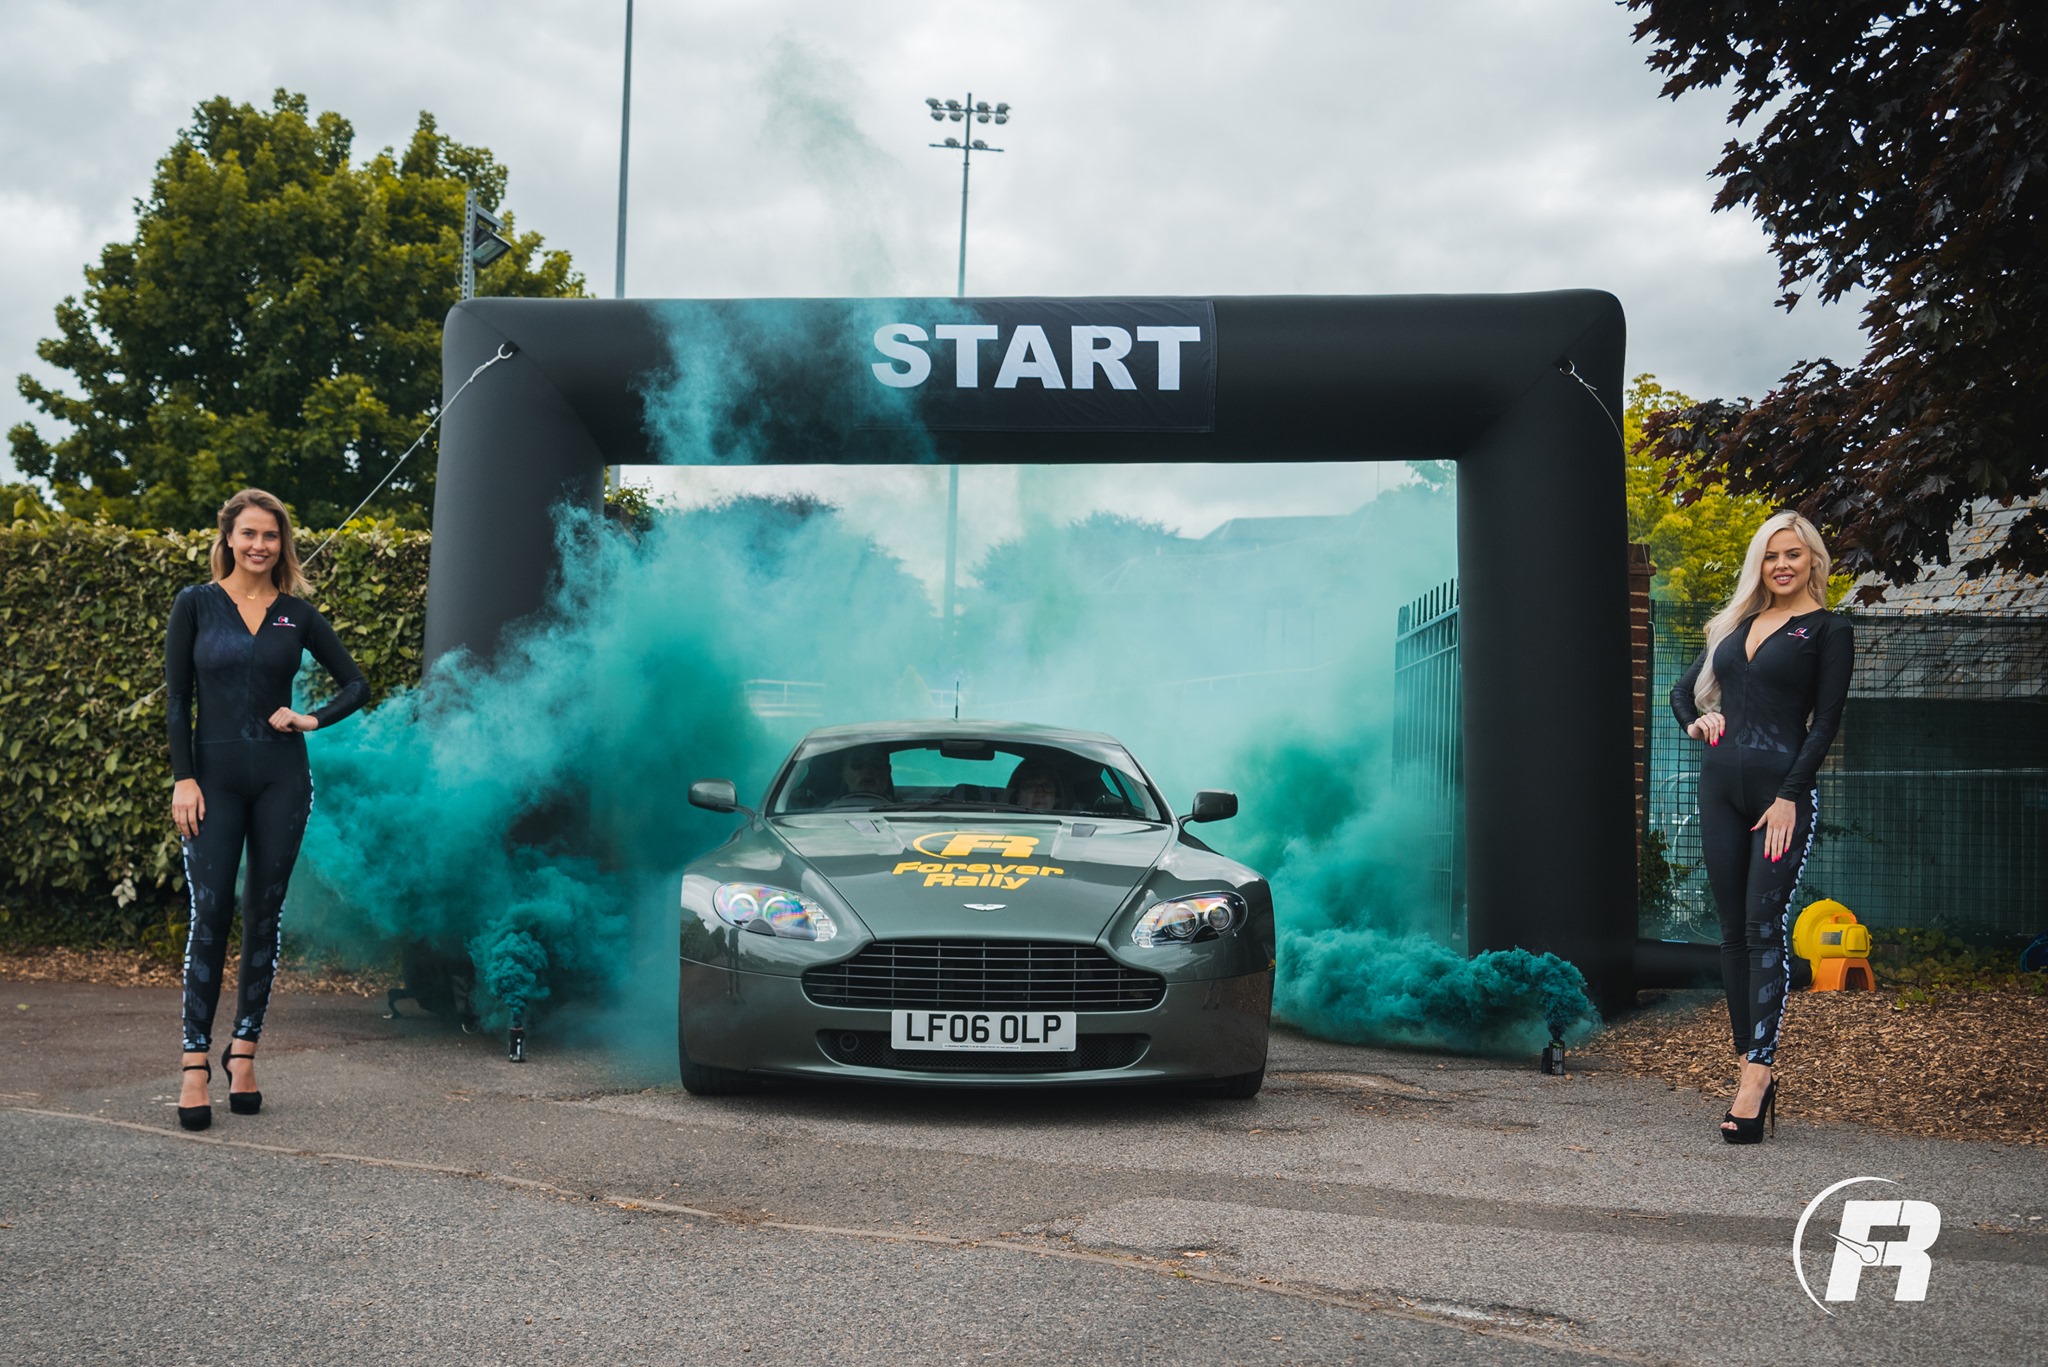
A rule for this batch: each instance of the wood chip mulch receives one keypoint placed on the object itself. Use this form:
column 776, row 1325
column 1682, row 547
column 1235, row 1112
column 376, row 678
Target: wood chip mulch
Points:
column 1971, row 1066
column 126, row 968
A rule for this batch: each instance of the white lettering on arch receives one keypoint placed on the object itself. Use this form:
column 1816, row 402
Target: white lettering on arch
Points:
column 1030, row 358
column 894, row 341
column 1115, row 344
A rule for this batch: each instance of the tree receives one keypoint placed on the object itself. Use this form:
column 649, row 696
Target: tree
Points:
column 1697, row 533
column 1077, row 554
column 1905, row 151
column 276, row 321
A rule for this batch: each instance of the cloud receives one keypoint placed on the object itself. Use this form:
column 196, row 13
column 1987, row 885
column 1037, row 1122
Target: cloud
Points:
column 780, row 148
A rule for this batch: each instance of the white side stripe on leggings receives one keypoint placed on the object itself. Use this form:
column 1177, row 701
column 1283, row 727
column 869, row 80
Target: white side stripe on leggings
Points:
column 1785, row 941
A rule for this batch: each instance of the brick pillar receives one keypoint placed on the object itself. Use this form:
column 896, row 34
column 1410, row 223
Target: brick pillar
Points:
column 1639, row 572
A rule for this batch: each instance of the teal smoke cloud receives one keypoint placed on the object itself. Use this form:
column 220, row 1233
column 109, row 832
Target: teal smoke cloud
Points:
column 529, row 814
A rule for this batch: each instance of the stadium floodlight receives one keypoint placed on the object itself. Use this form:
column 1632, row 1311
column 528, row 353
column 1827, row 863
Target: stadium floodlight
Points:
column 484, row 244
column 959, row 111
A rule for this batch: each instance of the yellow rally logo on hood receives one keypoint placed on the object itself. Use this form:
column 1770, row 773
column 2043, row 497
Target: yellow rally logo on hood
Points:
column 949, row 869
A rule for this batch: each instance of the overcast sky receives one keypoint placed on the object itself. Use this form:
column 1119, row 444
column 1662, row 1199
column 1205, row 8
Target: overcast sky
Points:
column 779, row 148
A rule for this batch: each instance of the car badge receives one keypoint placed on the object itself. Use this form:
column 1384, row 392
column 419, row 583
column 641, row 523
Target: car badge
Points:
column 984, row 906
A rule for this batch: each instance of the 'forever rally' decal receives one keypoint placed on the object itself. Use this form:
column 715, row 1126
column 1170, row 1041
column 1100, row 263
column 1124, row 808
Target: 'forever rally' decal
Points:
column 951, row 864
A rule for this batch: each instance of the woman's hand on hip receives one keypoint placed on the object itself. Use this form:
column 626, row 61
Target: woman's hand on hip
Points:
column 188, row 806
column 1776, row 823
column 1708, row 727
column 284, row 719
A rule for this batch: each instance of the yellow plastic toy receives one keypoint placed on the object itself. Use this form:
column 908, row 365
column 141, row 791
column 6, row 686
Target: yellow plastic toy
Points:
column 1827, row 936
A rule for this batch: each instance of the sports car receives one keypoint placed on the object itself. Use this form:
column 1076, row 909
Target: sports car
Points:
column 978, row 903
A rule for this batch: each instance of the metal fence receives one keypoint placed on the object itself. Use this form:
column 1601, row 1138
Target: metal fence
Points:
column 1933, row 801
column 1429, row 745
column 1934, row 798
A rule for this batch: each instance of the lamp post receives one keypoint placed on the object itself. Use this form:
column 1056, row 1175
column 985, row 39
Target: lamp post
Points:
column 481, row 244
column 968, row 113
column 625, row 141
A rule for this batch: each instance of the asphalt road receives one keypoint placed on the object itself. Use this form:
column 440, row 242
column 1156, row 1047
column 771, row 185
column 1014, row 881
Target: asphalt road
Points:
column 409, row 1196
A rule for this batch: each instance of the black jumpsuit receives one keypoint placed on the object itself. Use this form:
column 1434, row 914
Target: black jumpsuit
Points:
column 1766, row 752
column 255, row 781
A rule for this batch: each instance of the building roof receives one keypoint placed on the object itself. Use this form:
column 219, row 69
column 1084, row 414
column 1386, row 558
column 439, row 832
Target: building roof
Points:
column 1946, row 589
column 1266, row 530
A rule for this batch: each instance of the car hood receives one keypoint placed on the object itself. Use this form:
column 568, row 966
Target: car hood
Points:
column 1016, row 876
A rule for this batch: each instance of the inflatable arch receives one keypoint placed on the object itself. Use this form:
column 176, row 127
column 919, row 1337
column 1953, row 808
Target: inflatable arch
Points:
column 1522, row 391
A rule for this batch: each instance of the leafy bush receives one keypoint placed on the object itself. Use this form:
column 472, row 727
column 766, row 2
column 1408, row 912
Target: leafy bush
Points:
column 87, row 854
column 1923, row 964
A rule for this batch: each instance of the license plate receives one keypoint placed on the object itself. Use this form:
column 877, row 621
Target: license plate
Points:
column 1007, row 1031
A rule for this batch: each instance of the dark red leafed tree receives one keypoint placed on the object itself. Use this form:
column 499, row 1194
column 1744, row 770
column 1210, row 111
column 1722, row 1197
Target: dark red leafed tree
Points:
column 1903, row 150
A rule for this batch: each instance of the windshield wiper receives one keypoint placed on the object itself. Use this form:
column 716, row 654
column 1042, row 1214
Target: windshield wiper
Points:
column 959, row 805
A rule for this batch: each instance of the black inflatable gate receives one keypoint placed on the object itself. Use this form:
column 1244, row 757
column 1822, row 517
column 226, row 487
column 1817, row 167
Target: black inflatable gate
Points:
column 1485, row 380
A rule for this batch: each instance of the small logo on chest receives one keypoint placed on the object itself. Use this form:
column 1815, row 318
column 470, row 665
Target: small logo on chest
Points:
column 282, row 621
column 1799, row 632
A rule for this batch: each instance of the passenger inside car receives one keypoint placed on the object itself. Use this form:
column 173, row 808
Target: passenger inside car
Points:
column 1035, row 784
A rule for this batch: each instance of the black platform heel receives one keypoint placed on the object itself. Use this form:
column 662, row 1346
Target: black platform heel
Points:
column 241, row 1103
column 197, row 1117
column 1750, row 1130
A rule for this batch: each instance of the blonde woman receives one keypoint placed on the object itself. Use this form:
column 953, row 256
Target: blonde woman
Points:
column 1765, row 697
column 240, row 778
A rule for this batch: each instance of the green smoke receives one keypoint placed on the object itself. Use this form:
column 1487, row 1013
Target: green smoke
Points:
column 529, row 812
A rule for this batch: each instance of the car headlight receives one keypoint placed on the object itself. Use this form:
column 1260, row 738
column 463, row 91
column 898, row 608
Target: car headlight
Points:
column 1189, row 918
column 772, row 911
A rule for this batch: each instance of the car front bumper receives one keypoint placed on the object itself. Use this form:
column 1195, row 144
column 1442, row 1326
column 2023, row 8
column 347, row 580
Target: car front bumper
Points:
column 764, row 1024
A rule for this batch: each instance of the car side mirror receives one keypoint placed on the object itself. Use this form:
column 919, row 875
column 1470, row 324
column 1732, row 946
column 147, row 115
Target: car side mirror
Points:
column 1213, row 804
column 715, row 795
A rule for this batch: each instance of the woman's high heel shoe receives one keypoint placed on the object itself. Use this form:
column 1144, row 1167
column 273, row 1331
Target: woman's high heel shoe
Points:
column 197, row 1117
column 241, row 1103
column 1750, row 1130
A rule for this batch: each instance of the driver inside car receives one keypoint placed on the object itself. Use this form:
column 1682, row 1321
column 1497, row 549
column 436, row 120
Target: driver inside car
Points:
column 866, row 770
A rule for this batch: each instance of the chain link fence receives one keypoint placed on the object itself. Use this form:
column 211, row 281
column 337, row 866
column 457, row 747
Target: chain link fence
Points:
column 1933, row 800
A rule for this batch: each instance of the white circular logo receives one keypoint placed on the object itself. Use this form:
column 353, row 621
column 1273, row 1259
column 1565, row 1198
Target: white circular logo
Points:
column 1856, row 1249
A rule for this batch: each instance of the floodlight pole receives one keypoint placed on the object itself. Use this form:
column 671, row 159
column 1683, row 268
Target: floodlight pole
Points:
column 625, row 143
column 953, row 471
column 966, row 159
column 952, row 539
column 967, row 119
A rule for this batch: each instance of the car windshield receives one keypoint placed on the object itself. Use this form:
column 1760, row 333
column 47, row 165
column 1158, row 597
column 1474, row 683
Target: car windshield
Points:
column 963, row 774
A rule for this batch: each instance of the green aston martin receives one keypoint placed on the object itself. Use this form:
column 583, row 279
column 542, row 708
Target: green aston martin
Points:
column 980, row 903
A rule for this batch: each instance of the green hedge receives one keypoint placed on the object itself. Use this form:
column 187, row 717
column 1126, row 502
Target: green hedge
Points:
column 87, row 853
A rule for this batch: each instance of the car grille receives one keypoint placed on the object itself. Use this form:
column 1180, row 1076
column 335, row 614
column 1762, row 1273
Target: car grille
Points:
column 984, row 975
column 871, row 1049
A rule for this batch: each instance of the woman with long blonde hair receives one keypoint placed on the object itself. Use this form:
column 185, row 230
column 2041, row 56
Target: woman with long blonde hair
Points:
column 240, row 776
column 1765, row 696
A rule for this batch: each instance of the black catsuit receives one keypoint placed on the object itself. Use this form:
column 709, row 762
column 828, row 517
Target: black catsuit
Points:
column 1767, row 751
column 255, row 782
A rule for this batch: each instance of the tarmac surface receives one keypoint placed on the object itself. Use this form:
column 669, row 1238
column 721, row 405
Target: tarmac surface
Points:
column 409, row 1196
